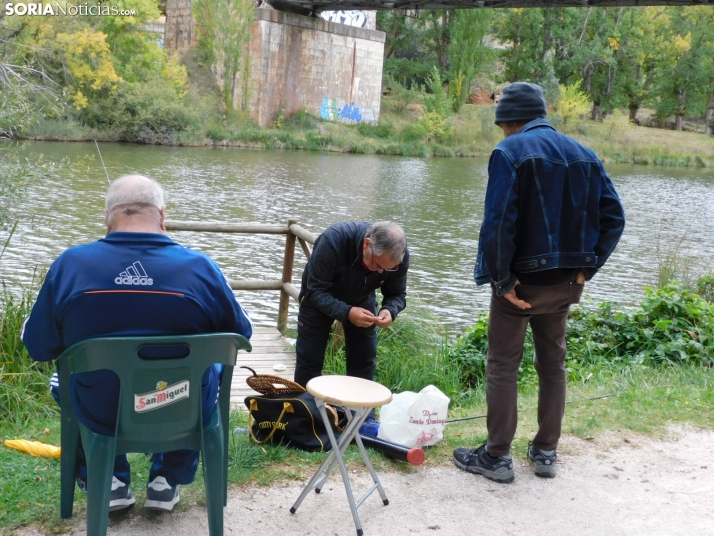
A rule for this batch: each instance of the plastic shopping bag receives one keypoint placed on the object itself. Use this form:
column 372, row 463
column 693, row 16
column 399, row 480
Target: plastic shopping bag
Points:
column 414, row 419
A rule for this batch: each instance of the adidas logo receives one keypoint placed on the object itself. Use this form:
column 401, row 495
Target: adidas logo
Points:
column 134, row 275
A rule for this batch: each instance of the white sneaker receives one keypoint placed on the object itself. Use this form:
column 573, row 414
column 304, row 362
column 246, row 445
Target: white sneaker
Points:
column 160, row 495
column 120, row 496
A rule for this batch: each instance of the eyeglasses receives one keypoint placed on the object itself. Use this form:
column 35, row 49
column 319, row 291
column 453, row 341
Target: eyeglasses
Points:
column 371, row 250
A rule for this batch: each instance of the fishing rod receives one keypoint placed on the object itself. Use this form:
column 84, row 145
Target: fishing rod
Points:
column 102, row 159
column 448, row 421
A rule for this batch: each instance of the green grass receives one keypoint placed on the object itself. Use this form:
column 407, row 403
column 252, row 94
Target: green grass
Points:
column 647, row 401
column 24, row 391
column 605, row 395
column 411, row 354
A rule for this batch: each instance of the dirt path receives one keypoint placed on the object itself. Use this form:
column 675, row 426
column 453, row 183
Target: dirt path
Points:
column 616, row 485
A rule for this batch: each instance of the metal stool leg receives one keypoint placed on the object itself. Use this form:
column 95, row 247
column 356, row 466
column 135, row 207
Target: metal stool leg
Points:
column 370, row 468
column 356, row 418
column 328, row 464
column 358, row 396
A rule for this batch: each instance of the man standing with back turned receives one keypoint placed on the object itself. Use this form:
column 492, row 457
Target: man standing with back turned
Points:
column 551, row 219
column 135, row 281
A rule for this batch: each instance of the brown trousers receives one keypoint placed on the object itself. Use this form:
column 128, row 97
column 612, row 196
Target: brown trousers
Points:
column 547, row 316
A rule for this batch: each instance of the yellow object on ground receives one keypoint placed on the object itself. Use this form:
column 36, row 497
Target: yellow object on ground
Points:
column 33, row 447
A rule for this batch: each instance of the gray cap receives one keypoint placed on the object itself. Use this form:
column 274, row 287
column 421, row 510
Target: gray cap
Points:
column 521, row 102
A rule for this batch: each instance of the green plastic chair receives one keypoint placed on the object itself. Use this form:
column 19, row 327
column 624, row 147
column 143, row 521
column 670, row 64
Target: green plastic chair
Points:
column 159, row 411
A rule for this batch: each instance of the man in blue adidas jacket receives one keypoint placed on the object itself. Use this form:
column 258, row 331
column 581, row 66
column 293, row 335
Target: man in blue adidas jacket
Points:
column 134, row 281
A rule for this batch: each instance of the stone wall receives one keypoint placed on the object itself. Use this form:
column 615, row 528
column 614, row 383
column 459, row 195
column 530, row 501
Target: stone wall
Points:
column 180, row 33
column 332, row 70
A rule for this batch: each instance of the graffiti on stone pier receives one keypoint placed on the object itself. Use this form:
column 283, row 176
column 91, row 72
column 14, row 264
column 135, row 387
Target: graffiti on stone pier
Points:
column 328, row 110
column 350, row 18
column 346, row 113
column 350, row 113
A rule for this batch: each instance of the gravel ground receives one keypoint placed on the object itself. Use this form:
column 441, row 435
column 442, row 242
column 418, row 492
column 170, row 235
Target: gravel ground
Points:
column 615, row 485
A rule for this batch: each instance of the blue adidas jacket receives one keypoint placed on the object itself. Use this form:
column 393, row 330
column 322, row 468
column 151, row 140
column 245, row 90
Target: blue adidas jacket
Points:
column 128, row 284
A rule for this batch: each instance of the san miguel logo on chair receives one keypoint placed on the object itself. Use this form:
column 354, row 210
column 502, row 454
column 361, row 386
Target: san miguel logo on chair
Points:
column 163, row 396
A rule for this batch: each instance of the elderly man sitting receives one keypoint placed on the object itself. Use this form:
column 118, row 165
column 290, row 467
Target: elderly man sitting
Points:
column 134, row 281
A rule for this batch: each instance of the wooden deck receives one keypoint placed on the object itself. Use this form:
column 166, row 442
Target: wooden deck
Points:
column 270, row 348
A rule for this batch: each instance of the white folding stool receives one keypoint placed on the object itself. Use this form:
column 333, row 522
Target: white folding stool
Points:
column 358, row 396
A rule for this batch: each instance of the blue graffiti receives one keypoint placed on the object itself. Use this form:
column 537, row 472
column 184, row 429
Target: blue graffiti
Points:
column 328, row 110
column 351, row 112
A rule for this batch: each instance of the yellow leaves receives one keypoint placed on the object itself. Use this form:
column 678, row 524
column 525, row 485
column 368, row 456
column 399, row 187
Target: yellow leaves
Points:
column 573, row 101
column 682, row 44
column 79, row 100
column 614, row 43
column 88, row 60
column 175, row 75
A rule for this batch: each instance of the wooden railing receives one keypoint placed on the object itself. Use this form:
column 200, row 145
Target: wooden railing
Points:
column 293, row 233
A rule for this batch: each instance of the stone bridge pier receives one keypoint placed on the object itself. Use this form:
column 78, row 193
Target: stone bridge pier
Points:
column 331, row 70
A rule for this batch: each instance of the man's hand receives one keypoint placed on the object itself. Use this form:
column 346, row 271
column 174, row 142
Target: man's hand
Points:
column 580, row 278
column 362, row 318
column 515, row 300
column 384, row 318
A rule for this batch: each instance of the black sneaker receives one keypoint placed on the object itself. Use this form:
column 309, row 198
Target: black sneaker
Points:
column 160, row 495
column 544, row 461
column 480, row 461
column 121, row 496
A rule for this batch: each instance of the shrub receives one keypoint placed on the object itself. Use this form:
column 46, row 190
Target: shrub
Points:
column 401, row 96
column 24, row 383
column 145, row 112
column 153, row 113
column 410, row 356
column 410, row 73
column 573, row 102
column 671, row 326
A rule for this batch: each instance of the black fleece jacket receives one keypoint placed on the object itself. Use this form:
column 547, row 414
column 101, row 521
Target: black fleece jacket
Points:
column 335, row 278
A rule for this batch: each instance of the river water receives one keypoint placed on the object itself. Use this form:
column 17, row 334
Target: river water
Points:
column 438, row 201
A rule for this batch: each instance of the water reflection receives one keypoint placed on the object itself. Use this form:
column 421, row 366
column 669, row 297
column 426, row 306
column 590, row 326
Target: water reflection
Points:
column 439, row 202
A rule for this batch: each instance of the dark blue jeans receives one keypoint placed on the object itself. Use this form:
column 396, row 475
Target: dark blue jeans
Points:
column 179, row 466
column 313, row 333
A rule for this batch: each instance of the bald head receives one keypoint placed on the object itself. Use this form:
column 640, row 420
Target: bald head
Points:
column 135, row 203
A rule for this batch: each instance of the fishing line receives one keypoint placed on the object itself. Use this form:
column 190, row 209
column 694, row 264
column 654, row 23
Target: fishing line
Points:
column 529, row 409
column 100, row 158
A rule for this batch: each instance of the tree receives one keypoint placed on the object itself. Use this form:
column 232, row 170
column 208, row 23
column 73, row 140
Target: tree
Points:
column 466, row 51
column 573, row 102
column 683, row 74
column 27, row 92
column 538, row 42
column 86, row 57
column 224, row 31
column 399, row 29
column 637, row 54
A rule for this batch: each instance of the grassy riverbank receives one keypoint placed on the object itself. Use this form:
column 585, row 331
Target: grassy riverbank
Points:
column 639, row 370
column 400, row 131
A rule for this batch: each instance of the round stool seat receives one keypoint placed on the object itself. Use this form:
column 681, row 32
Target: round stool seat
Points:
column 349, row 391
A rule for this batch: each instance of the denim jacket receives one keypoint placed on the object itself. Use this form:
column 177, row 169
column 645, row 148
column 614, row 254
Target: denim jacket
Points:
column 549, row 204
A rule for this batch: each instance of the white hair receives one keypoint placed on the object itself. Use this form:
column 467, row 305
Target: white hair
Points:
column 388, row 237
column 134, row 189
